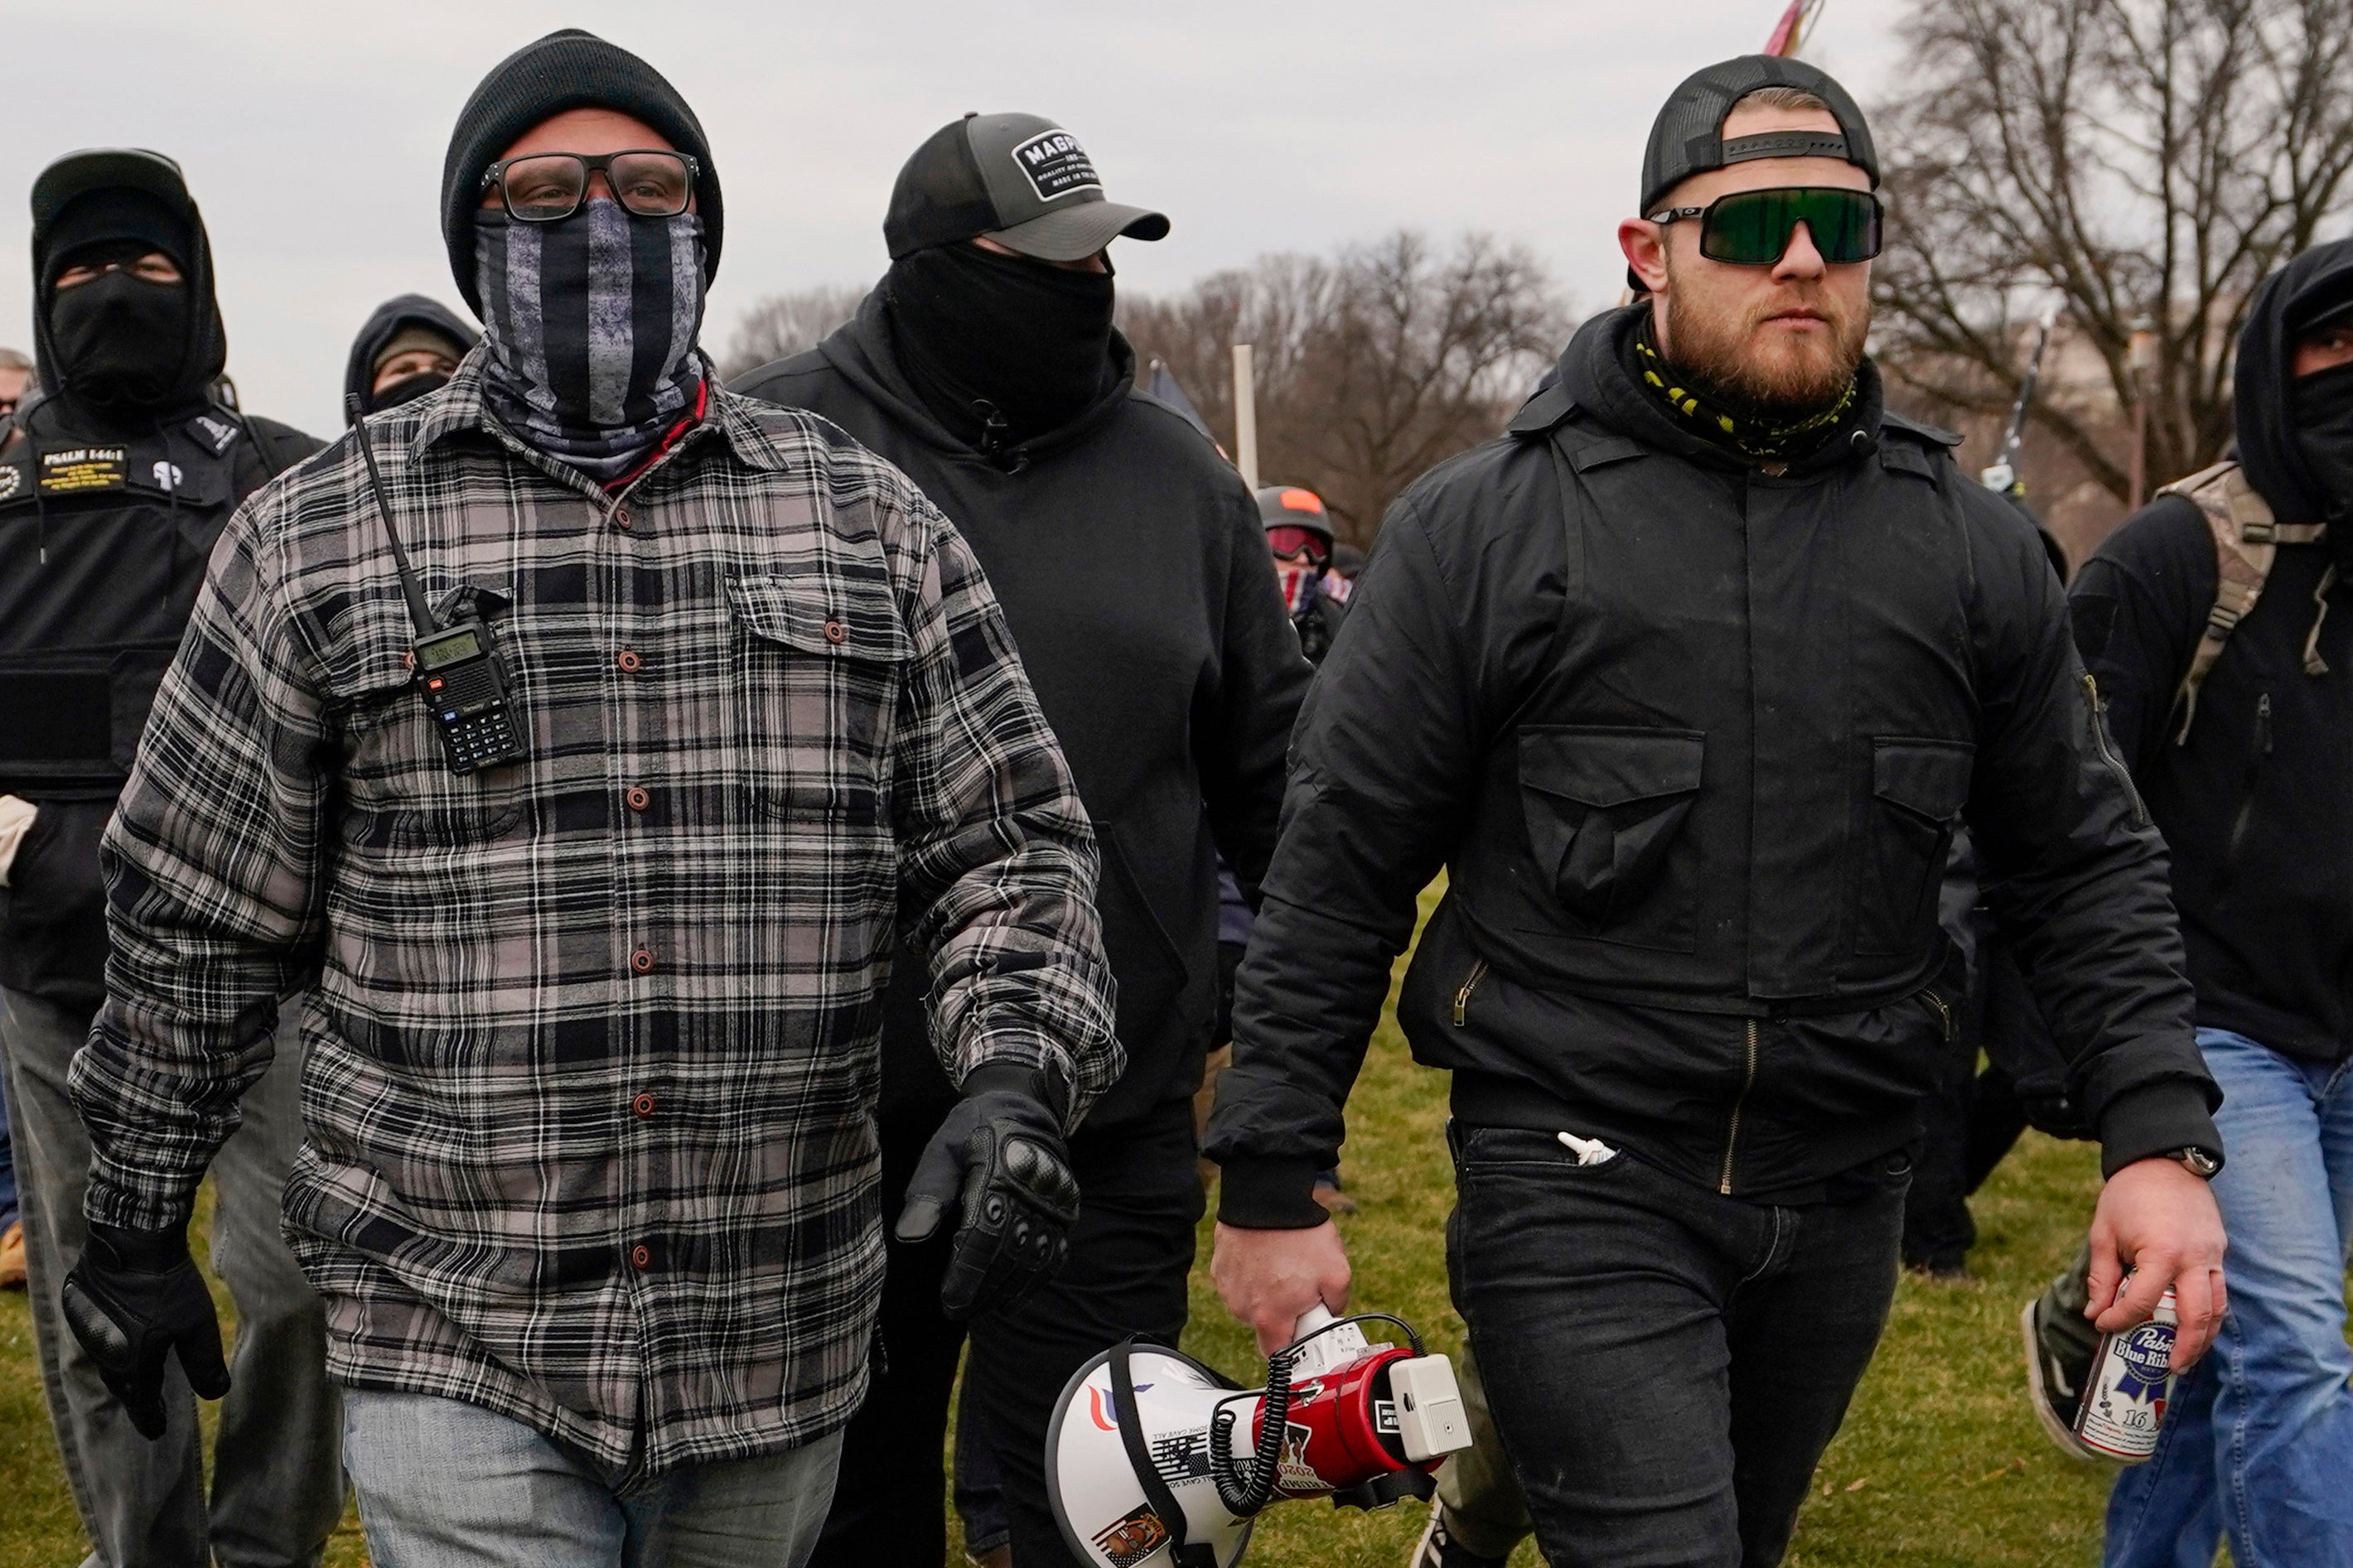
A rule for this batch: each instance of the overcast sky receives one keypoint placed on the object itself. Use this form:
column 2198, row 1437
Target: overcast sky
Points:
column 313, row 135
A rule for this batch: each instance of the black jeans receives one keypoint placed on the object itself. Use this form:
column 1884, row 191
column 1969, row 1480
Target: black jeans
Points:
column 1664, row 1365
column 1139, row 1202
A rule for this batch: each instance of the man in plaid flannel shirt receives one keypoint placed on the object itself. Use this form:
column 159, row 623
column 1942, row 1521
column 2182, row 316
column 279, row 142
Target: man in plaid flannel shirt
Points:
column 590, row 1181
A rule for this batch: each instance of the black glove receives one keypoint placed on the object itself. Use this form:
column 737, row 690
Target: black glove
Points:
column 1001, row 1150
column 134, row 1295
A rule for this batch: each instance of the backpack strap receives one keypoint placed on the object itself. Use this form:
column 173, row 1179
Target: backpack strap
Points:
column 2246, row 541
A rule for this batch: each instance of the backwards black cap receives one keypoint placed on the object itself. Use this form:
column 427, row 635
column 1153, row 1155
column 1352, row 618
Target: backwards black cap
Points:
column 1687, row 138
column 566, row 70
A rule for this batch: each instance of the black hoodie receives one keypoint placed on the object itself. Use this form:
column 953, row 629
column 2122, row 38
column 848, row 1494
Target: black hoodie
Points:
column 1128, row 557
column 108, row 515
column 2256, row 806
column 406, row 310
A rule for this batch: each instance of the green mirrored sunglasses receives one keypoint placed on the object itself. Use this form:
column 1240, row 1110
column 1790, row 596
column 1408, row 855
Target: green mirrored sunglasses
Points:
column 1752, row 228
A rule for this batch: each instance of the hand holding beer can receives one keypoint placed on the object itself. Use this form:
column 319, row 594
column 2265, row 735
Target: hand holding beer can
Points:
column 2132, row 1382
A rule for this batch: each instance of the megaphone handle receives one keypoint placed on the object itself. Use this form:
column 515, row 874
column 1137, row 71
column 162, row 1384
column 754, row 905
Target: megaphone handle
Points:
column 1315, row 1318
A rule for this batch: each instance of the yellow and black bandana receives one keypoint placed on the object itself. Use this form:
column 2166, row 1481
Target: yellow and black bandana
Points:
column 1751, row 438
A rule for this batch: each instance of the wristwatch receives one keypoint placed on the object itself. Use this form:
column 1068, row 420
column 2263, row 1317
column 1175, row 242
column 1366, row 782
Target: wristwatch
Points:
column 2197, row 1161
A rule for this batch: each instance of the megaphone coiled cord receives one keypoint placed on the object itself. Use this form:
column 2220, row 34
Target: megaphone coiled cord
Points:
column 1242, row 1498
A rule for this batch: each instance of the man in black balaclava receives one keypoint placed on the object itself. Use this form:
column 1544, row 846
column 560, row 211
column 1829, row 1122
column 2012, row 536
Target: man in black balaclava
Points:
column 596, row 737
column 2219, row 623
column 115, row 479
column 1686, row 681
column 1128, row 557
column 411, row 346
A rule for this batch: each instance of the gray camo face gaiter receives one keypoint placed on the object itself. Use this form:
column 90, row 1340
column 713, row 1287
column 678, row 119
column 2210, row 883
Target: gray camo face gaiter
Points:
column 591, row 322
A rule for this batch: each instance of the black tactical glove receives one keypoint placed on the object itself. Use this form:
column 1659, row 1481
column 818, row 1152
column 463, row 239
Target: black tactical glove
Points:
column 134, row 1295
column 1001, row 1150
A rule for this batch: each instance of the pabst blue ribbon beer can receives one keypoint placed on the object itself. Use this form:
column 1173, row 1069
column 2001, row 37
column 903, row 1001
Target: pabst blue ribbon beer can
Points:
column 2132, row 1379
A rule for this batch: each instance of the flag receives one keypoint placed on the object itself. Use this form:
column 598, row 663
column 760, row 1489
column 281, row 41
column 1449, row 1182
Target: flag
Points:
column 1789, row 32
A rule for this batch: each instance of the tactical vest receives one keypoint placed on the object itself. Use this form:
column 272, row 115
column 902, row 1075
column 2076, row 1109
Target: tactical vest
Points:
column 2246, row 541
column 1733, row 785
column 103, row 547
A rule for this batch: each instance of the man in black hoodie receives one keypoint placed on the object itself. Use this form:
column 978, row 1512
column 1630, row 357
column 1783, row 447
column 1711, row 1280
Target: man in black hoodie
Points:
column 2238, row 727
column 115, row 479
column 411, row 346
column 1686, row 681
column 1129, row 559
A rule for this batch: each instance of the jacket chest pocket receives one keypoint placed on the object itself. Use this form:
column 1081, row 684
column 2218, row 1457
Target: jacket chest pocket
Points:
column 1605, row 807
column 1918, row 790
column 818, row 663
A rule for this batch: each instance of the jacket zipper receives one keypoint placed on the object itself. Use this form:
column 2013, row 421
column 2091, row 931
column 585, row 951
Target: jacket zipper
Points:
column 1463, row 997
column 2115, row 764
column 1732, row 1133
column 1943, row 1012
column 2254, row 773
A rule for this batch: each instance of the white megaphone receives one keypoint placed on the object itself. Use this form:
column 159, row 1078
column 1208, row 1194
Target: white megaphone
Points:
column 1152, row 1451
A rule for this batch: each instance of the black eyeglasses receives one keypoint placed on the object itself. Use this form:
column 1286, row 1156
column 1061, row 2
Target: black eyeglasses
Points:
column 544, row 187
column 1752, row 228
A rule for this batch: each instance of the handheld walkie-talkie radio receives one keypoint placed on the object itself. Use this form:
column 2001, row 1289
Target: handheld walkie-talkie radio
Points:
column 456, row 668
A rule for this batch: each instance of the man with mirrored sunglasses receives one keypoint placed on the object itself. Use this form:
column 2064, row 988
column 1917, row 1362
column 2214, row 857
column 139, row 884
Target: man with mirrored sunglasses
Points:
column 1686, row 681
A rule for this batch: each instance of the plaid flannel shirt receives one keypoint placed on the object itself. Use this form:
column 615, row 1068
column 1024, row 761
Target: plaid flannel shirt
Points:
column 593, row 1037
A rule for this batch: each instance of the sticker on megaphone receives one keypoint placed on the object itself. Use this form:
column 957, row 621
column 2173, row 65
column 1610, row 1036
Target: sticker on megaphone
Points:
column 1150, row 1449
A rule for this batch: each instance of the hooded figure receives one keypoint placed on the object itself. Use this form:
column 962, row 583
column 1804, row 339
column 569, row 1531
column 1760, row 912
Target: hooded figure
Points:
column 116, row 478
column 2218, row 621
column 408, row 325
column 1130, row 563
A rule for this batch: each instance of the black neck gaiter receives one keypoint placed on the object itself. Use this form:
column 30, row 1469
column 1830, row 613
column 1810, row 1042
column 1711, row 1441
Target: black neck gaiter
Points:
column 2321, row 406
column 120, row 341
column 591, row 322
column 1003, row 349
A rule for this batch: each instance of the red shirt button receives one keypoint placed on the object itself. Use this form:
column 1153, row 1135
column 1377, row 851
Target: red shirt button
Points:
column 621, row 518
column 642, row 1256
column 835, row 631
column 628, row 660
column 638, row 798
column 643, row 1105
column 642, row 960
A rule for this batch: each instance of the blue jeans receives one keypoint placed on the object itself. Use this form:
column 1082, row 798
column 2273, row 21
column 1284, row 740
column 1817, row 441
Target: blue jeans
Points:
column 2258, row 1443
column 7, row 1160
column 276, row 1479
column 444, row 1484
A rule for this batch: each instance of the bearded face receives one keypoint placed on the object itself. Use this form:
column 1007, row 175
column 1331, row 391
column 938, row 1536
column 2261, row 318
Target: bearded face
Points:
column 1773, row 349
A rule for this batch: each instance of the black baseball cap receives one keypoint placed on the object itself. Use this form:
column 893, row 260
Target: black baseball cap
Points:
column 102, row 194
column 1687, row 138
column 1019, row 179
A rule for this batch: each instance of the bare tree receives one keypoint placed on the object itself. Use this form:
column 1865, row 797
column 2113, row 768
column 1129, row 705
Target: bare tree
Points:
column 782, row 325
column 1373, row 365
column 2137, row 162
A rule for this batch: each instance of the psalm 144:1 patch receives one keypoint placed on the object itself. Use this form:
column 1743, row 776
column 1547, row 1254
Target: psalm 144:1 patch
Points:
column 71, row 470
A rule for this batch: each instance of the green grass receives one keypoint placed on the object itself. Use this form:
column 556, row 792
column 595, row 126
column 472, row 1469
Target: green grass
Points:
column 1940, row 1462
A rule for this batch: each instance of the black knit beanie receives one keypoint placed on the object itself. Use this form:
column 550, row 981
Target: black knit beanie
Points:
column 566, row 69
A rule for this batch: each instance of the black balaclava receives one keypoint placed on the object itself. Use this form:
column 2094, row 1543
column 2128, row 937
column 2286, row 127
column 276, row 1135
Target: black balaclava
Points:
column 1003, row 349
column 119, row 338
column 2285, row 423
column 591, row 322
column 2321, row 404
column 119, row 345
